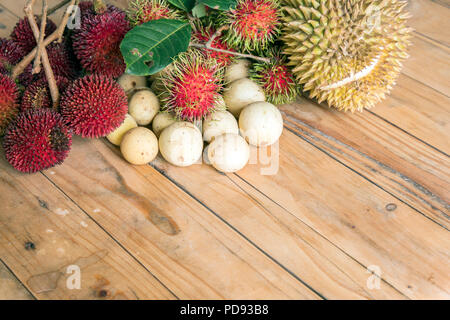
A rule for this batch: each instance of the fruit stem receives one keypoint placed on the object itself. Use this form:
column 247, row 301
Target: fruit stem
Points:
column 37, row 60
column 208, row 46
column 42, row 51
column 57, row 34
column 238, row 54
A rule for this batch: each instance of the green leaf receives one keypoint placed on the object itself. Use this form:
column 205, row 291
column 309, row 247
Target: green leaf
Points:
column 150, row 47
column 199, row 11
column 186, row 5
column 223, row 5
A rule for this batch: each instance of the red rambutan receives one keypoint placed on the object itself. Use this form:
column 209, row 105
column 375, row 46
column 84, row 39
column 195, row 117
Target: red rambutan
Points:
column 24, row 37
column 97, row 43
column 10, row 54
column 60, row 61
column 253, row 24
column 192, row 86
column 202, row 34
column 141, row 11
column 94, row 106
column 276, row 79
column 37, row 95
column 9, row 97
column 36, row 140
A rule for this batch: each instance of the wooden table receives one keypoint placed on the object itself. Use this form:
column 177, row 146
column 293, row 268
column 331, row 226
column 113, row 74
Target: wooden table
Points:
column 359, row 208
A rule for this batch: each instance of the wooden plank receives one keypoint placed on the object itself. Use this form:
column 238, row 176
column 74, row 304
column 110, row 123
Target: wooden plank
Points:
column 189, row 249
column 7, row 22
column 10, row 286
column 367, row 223
column 300, row 249
column 406, row 167
column 43, row 234
column 16, row 7
column 431, row 19
column 428, row 64
column 419, row 110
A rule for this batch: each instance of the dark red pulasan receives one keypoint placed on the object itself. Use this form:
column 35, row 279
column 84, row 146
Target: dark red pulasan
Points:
column 9, row 101
column 94, row 106
column 97, row 43
column 37, row 140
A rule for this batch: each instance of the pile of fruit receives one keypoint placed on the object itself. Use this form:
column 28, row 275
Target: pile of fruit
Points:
column 180, row 141
column 197, row 75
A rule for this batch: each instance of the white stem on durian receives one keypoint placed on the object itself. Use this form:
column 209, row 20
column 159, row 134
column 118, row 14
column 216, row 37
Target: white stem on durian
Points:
column 353, row 76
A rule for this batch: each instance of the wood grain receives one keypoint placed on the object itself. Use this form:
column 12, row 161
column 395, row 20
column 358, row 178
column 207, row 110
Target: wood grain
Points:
column 189, row 249
column 299, row 248
column 357, row 216
column 10, row 286
column 419, row 110
column 428, row 64
column 7, row 21
column 431, row 19
column 42, row 233
column 407, row 168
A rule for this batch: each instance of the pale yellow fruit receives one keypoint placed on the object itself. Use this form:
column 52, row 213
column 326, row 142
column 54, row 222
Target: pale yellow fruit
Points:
column 143, row 106
column 161, row 121
column 241, row 93
column 237, row 70
column 261, row 124
column 139, row 146
column 218, row 123
column 116, row 136
column 129, row 83
column 181, row 144
column 228, row 152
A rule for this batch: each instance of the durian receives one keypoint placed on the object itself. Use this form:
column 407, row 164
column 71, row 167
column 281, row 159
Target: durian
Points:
column 346, row 52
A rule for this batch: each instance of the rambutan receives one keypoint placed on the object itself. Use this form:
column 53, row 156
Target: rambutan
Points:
column 276, row 79
column 9, row 98
column 253, row 24
column 61, row 62
column 94, row 106
column 23, row 35
column 37, row 140
column 192, row 86
column 97, row 43
column 37, row 95
column 141, row 11
column 202, row 34
column 10, row 54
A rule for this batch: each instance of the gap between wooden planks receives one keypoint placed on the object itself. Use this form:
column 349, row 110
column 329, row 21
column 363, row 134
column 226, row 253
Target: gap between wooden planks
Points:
column 42, row 233
column 10, row 287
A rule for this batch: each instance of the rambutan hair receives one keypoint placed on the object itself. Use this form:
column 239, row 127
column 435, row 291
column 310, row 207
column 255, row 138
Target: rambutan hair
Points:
column 192, row 86
column 9, row 101
column 141, row 11
column 276, row 79
column 37, row 95
column 94, row 106
column 37, row 140
column 23, row 36
column 253, row 24
column 10, row 54
column 202, row 34
column 97, row 43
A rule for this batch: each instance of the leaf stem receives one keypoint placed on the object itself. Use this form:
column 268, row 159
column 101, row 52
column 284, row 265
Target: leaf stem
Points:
column 238, row 54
